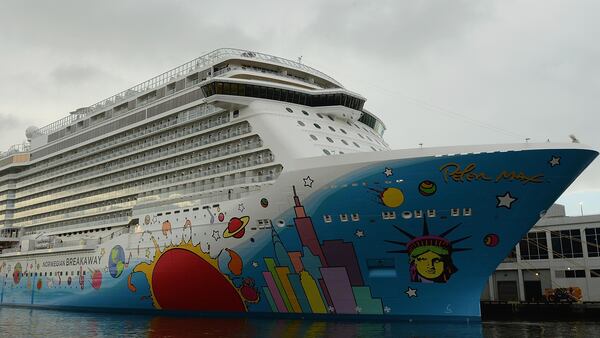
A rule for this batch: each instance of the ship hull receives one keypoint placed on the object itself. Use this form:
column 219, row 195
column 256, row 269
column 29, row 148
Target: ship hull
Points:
column 412, row 236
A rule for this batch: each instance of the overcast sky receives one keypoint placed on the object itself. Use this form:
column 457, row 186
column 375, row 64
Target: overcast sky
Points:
column 436, row 72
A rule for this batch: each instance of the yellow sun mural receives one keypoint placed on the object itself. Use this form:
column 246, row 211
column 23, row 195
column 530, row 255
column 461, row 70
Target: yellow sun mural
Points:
column 184, row 277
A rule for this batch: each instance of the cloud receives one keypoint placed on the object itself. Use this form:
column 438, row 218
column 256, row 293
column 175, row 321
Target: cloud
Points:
column 12, row 130
column 75, row 74
column 510, row 69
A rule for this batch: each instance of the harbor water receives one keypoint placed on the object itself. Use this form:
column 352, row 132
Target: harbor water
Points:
column 23, row 322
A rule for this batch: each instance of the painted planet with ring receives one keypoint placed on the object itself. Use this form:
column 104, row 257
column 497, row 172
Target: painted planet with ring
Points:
column 491, row 240
column 427, row 188
column 236, row 227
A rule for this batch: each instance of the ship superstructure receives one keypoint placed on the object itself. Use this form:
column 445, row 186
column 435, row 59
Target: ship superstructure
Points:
column 197, row 176
column 165, row 138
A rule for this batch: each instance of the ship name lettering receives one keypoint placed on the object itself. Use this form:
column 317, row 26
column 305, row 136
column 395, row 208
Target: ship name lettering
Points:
column 457, row 174
column 454, row 171
column 83, row 260
column 514, row 176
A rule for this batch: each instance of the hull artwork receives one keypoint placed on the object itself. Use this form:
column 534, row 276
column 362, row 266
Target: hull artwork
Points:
column 390, row 236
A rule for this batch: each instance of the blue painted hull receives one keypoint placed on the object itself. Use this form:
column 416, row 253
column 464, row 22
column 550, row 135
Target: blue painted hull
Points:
column 408, row 238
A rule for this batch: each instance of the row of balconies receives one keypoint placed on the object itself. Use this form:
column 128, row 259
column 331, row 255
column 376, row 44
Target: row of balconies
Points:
column 166, row 122
column 125, row 148
column 77, row 214
column 88, row 185
column 123, row 163
column 164, row 183
column 78, row 224
column 91, row 199
column 151, row 196
column 234, row 133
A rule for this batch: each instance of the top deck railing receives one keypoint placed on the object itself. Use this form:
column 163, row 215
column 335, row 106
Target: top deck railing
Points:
column 15, row 149
column 201, row 62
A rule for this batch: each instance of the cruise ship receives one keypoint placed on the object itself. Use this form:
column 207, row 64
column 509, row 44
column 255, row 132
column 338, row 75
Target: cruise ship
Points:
column 242, row 183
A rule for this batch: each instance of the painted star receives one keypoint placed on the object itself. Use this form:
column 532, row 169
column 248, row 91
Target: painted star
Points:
column 360, row 233
column 241, row 207
column 255, row 264
column 216, row 235
column 331, row 308
column 505, row 200
column 554, row 161
column 388, row 172
column 410, row 292
column 387, row 309
column 358, row 309
column 308, row 181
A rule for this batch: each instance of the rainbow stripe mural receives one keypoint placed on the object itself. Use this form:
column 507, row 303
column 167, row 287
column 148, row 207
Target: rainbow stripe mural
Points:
column 322, row 278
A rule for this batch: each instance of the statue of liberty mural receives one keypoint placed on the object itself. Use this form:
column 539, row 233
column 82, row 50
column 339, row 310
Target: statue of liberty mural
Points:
column 429, row 256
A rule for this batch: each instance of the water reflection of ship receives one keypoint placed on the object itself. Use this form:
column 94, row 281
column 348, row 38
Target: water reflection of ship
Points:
column 319, row 279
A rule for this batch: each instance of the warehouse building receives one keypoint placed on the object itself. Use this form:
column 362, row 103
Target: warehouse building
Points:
column 557, row 261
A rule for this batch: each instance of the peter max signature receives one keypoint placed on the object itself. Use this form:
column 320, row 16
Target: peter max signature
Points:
column 453, row 171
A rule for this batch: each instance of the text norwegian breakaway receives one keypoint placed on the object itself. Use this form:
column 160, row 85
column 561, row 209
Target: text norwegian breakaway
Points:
column 84, row 260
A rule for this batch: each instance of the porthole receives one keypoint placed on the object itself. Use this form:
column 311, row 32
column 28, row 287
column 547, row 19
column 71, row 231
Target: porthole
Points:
column 332, row 128
column 319, row 115
column 313, row 137
column 326, row 152
column 317, row 126
column 329, row 139
column 280, row 223
column 356, row 144
column 305, row 112
column 343, row 131
column 301, row 123
column 344, row 142
column 289, row 110
column 406, row 214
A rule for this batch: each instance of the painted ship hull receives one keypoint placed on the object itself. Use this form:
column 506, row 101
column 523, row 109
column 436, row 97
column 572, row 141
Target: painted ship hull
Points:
column 399, row 234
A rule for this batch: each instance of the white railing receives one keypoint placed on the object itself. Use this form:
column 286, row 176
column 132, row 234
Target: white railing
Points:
column 202, row 62
column 109, row 221
column 16, row 149
column 263, row 71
